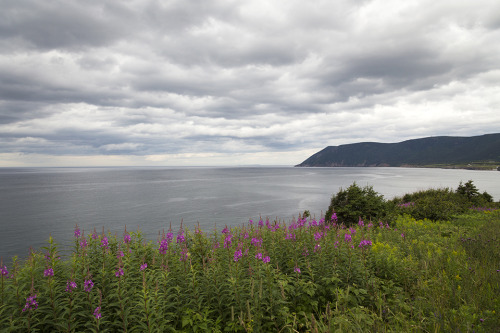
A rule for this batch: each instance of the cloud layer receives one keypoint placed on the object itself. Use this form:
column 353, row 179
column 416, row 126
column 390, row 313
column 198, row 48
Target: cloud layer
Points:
column 230, row 82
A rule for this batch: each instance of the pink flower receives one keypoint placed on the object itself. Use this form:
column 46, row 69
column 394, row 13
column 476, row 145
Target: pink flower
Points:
column 266, row 259
column 97, row 313
column 144, row 266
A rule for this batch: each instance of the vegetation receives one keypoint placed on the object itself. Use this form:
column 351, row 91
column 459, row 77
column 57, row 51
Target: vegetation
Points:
column 476, row 152
column 307, row 275
column 356, row 203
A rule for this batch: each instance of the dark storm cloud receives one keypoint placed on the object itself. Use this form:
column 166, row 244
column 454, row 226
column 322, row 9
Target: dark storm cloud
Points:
column 201, row 78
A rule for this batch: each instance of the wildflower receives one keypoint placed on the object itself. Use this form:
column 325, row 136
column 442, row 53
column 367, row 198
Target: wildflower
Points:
column 291, row 236
column 4, row 271
column 334, row 217
column 94, row 235
column 257, row 242
column 77, row 232
column 365, row 243
column 119, row 272
column 352, row 231
column 250, row 222
column 297, row 270
column 317, row 236
column 31, row 303
column 144, row 266
column 120, row 254
column 104, row 242
column 370, row 225
column 48, row 272
column 181, row 238
column 163, row 246
column 228, row 241
column 347, row 238
column 70, row 285
column 184, row 254
column 88, row 285
column 317, row 248
column 258, row 256
column 97, row 313
column 266, row 259
column 237, row 255
column 225, row 230
column 261, row 223
column 127, row 238
column 402, row 235
column 361, row 223
column 481, row 320
column 83, row 243
column 306, row 252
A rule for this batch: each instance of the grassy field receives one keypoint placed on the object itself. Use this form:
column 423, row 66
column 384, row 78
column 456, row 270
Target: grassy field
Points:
column 266, row 276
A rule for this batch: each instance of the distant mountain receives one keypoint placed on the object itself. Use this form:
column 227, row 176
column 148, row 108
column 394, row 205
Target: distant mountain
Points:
column 440, row 151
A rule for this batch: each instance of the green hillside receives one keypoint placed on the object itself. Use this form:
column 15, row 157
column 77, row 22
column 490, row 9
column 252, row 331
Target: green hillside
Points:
column 476, row 152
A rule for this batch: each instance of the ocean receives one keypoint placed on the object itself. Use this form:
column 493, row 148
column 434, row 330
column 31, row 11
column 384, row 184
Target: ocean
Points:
column 36, row 203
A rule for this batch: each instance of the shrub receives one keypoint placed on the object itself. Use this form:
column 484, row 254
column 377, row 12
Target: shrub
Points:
column 356, row 203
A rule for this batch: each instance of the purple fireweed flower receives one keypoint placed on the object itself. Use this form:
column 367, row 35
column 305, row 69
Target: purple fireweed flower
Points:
column 297, row 270
column 31, row 303
column 313, row 223
column 48, row 272
column 290, row 236
column 225, row 230
column 104, row 242
column 347, row 238
column 266, row 259
column 144, row 266
column 169, row 236
column 261, row 223
column 119, row 272
column 83, row 243
column 184, row 254
column 4, row 271
column 402, row 235
column 336, row 244
column 70, row 286
column 257, row 242
column 237, row 255
column 245, row 235
column 250, row 222
column 88, row 285
column 97, row 313
column 370, row 225
column 127, row 238
column 163, row 246
column 181, row 238
column 334, row 217
column 318, row 236
column 361, row 223
column 481, row 320
column 77, row 232
column 317, row 248
column 228, row 241
column 258, row 256
column 306, row 252
column 365, row 243
column 120, row 254
column 381, row 225
column 352, row 231
column 95, row 235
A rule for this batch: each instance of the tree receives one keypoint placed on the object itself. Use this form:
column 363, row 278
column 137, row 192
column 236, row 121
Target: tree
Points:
column 354, row 203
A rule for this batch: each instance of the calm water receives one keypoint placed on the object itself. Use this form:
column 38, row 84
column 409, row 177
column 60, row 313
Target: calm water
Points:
column 36, row 203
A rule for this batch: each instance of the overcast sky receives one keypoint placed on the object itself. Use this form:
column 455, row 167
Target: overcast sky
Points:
column 144, row 82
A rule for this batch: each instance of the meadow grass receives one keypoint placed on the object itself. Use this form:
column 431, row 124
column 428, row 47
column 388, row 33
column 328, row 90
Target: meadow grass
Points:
column 265, row 276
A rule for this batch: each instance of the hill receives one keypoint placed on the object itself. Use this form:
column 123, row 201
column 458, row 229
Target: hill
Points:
column 476, row 152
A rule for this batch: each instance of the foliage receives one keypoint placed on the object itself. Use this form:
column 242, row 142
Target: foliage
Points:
column 417, row 275
column 443, row 203
column 355, row 203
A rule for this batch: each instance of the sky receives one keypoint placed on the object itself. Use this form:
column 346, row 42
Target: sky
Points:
column 197, row 82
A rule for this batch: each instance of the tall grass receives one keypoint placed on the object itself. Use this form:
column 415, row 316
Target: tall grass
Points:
column 265, row 276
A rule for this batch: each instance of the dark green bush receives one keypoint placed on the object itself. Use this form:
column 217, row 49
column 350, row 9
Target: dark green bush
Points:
column 443, row 203
column 355, row 202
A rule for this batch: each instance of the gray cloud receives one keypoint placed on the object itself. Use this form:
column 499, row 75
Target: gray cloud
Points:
column 196, row 78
